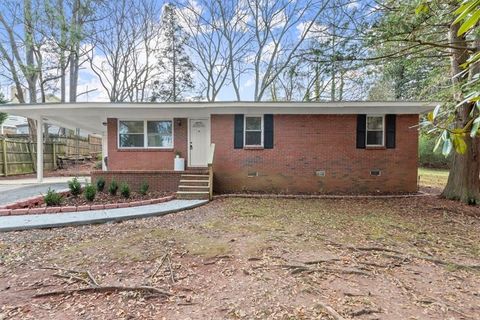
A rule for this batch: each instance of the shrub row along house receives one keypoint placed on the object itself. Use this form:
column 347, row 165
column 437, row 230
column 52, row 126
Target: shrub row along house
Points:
column 266, row 147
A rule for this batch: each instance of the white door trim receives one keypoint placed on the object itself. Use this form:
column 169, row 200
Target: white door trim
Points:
column 207, row 119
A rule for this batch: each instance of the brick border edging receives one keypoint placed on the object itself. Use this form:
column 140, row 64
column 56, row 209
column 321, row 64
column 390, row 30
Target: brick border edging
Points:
column 26, row 211
column 322, row 196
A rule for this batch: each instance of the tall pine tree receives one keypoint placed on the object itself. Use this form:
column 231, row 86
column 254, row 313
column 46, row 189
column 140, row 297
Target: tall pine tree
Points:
column 175, row 66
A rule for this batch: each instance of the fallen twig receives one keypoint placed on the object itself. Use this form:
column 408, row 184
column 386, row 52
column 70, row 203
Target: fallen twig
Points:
column 172, row 275
column 331, row 311
column 92, row 279
column 93, row 285
column 152, row 290
column 295, row 269
column 365, row 311
column 72, row 274
column 70, row 277
column 321, row 261
column 401, row 255
column 162, row 261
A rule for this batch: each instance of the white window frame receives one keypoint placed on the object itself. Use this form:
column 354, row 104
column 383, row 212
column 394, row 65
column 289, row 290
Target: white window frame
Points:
column 383, row 130
column 245, row 130
column 145, row 134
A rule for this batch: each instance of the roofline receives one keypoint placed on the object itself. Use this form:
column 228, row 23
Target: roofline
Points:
column 91, row 116
column 216, row 104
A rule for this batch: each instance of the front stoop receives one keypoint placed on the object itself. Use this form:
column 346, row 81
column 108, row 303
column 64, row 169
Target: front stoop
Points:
column 193, row 186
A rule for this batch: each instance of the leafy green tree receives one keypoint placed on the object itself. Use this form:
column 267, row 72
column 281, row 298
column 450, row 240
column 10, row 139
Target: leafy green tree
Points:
column 458, row 125
column 431, row 31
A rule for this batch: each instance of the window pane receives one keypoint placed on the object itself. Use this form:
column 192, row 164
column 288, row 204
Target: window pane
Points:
column 160, row 134
column 160, row 141
column 253, row 138
column 163, row 127
column 375, row 138
column 253, row 123
column 131, row 140
column 131, row 127
column 374, row 123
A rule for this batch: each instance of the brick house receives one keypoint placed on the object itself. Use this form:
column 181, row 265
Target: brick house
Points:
column 265, row 147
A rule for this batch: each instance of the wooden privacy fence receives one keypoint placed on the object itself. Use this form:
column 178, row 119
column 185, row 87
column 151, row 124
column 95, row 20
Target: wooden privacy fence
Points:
column 81, row 146
column 18, row 156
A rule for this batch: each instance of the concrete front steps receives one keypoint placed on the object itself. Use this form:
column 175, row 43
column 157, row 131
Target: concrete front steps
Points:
column 194, row 186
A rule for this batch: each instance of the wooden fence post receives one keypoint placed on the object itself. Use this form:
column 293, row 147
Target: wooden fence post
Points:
column 30, row 148
column 4, row 152
column 54, row 156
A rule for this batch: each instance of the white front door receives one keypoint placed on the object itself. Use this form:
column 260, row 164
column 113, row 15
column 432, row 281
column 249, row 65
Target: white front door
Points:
column 199, row 142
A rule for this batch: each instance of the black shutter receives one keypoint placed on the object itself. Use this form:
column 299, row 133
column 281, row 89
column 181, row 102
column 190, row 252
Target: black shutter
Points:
column 238, row 132
column 390, row 123
column 361, row 130
column 268, row 131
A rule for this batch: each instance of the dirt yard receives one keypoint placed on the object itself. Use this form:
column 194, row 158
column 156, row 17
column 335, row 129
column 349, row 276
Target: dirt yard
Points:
column 416, row 258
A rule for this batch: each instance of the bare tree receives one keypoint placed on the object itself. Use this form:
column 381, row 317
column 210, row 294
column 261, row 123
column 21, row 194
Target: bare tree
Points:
column 17, row 50
column 125, row 44
column 203, row 21
column 275, row 25
column 234, row 17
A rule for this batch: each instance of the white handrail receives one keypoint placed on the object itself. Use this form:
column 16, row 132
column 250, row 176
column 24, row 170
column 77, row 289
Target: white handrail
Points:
column 210, row 170
column 211, row 154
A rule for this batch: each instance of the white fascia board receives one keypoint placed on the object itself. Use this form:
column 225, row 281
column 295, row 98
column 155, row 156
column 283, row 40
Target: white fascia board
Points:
column 227, row 107
column 91, row 116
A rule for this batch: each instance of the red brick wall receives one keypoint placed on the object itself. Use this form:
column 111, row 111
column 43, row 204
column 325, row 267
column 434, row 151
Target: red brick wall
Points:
column 307, row 143
column 145, row 159
column 166, row 180
column 157, row 180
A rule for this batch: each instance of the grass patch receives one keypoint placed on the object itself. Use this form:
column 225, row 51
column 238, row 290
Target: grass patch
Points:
column 434, row 178
column 142, row 245
column 300, row 223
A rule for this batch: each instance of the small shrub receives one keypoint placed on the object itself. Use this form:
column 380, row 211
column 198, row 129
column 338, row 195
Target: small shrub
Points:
column 75, row 187
column 90, row 192
column 113, row 188
column 144, row 188
column 98, row 165
column 100, row 184
column 52, row 198
column 125, row 190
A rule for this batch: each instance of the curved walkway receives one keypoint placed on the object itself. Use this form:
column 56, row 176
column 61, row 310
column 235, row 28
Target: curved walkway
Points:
column 55, row 220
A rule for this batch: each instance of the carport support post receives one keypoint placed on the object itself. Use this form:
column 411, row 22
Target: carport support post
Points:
column 40, row 149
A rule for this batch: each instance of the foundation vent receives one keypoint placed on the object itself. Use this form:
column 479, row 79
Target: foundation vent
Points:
column 320, row 173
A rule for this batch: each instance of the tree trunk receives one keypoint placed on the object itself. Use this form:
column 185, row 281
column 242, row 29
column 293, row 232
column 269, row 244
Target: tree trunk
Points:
column 463, row 182
column 31, row 74
column 75, row 30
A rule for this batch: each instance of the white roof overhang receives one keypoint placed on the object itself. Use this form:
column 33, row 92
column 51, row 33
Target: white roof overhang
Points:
column 91, row 116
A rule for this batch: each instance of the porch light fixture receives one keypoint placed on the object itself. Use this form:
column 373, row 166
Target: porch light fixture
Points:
column 104, row 124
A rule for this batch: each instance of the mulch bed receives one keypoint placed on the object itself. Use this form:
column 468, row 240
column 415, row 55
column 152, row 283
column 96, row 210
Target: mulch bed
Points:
column 106, row 198
column 103, row 200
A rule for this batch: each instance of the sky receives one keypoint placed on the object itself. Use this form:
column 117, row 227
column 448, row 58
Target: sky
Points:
column 88, row 80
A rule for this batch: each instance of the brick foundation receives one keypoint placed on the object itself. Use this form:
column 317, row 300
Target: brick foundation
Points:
column 166, row 181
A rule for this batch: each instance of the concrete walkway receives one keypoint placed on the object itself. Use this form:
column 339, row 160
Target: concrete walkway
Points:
column 39, row 221
column 17, row 189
